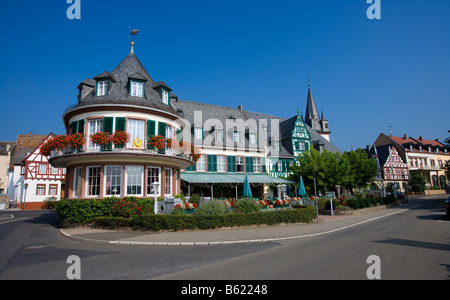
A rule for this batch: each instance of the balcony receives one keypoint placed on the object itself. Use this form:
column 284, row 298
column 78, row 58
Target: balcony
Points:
column 138, row 150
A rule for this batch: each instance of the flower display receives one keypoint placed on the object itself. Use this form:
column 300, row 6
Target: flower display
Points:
column 76, row 140
column 229, row 204
column 157, row 142
column 120, row 138
column 263, row 203
column 100, row 138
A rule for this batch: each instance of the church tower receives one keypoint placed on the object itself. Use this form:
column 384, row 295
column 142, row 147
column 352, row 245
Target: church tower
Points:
column 319, row 124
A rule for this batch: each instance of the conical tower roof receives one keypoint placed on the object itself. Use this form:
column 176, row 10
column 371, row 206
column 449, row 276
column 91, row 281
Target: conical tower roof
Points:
column 312, row 114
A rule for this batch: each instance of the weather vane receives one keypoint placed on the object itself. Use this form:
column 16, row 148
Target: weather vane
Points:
column 133, row 33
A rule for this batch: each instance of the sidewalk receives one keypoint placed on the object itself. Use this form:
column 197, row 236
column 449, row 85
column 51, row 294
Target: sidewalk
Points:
column 249, row 234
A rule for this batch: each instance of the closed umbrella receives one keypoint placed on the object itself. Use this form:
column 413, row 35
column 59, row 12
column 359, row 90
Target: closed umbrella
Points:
column 301, row 188
column 247, row 191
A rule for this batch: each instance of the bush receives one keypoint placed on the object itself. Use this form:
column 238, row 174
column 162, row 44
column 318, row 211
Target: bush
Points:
column 353, row 203
column 212, row 221
column 84, row 211
column 213, row 207
column 328, row 204
column 247, row 206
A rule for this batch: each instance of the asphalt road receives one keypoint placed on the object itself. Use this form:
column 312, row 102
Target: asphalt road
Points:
column 413, row 244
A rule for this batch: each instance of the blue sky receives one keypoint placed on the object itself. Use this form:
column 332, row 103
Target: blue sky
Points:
column 366, row 75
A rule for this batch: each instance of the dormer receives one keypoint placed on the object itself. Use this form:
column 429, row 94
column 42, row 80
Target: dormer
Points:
column 137, row 85
column 85, row 88
column 102, row 83
column 163, row 91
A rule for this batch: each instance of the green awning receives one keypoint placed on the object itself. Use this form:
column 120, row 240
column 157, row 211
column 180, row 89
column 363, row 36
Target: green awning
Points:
column 193, row 178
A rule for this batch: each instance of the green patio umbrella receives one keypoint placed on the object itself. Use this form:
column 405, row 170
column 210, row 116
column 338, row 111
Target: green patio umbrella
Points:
column 247, row 191
column 301, row 188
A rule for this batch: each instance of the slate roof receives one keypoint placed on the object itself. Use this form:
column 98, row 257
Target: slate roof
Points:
column 119, row 87
column 220, row 114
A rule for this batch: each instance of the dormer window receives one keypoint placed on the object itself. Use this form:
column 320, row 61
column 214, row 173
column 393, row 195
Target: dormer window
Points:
column 102, row 88
column 165, row 97
column 137, row 88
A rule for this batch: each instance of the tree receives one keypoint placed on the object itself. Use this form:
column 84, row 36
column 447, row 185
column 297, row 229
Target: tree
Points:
column 363, row 168
column 349, row 170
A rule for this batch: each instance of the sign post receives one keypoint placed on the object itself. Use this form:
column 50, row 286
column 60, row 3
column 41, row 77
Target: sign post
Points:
column 331, row 195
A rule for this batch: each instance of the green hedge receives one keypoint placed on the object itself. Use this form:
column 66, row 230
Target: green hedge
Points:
column 183, row 222
column 84, row 211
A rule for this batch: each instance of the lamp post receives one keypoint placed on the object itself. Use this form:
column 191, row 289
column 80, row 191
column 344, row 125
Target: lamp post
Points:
column 338, row 188
column 25, row 197
column 155, row 186
column 283, row 191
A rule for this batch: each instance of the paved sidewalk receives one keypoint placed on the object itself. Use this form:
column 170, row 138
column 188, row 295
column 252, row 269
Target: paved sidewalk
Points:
column 249, row 234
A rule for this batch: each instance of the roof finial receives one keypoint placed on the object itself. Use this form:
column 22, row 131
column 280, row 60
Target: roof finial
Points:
column 133, row 33
column 309, row 79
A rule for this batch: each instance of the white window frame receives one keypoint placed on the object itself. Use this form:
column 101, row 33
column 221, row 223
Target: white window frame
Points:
column 279, row 166
column 165, row 97
column 200, row 166
column 137, row 89
column 149, row 184
column 252, row 138
column 256, row 164
column 198, row 133
column 136, row 130
column 94, row 126
column 236, row 137
column 88, row 181
column 221, row 164
column 107, row 177
column 42, row 169
column 54, row 171
column 102, row 88
column 219, row 135
column 53, row 186
column 138, row 181
column 240, row 163
column 168, row 182
column 40, row 189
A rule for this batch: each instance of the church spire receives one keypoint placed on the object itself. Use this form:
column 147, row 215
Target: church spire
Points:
column 312, row 115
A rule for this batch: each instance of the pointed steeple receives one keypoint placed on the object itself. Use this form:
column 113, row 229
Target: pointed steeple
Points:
column 312, row 115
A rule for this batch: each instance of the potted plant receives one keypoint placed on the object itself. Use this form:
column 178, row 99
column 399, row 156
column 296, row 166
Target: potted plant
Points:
column 76, row 141
column 120, row 138
column 157, row 142
column 100, row 138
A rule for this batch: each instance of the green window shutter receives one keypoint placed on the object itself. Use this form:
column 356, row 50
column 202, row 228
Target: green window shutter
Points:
column 263, row 167
column 73, row 127
column 151, row 126
column 231, row 163
column 212, row 163
column 179, row 135
column 80, row 126
column 120, row 123
column 162, row 129
column 249, row 164
column 108, row 124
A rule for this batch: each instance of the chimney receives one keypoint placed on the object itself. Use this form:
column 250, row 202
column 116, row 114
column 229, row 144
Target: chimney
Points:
column 240, row 107
column 405, row 137
column 420, row 138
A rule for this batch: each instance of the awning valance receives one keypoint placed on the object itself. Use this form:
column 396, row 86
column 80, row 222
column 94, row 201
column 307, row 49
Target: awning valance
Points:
column 225, row 178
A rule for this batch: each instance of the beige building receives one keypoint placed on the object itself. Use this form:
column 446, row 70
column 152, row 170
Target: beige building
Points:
column 428, row 157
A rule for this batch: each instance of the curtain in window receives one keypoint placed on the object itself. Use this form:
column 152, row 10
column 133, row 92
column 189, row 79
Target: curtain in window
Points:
column 136, row 132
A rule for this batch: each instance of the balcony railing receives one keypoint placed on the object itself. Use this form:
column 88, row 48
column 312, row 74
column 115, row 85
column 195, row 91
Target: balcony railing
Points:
column 135, row 148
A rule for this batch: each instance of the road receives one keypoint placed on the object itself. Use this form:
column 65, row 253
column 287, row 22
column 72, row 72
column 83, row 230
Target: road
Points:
column 412, row 244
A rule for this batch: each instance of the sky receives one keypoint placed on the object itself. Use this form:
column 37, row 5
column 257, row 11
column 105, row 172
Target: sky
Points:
column 369, row 76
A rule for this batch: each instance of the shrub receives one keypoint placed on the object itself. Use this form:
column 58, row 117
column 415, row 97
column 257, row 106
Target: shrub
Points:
column 213, row 207
column 247, row 206
column 211, row 221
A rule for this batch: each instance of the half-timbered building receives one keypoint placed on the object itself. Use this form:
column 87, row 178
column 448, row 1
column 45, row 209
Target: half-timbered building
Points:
column 31, row 178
